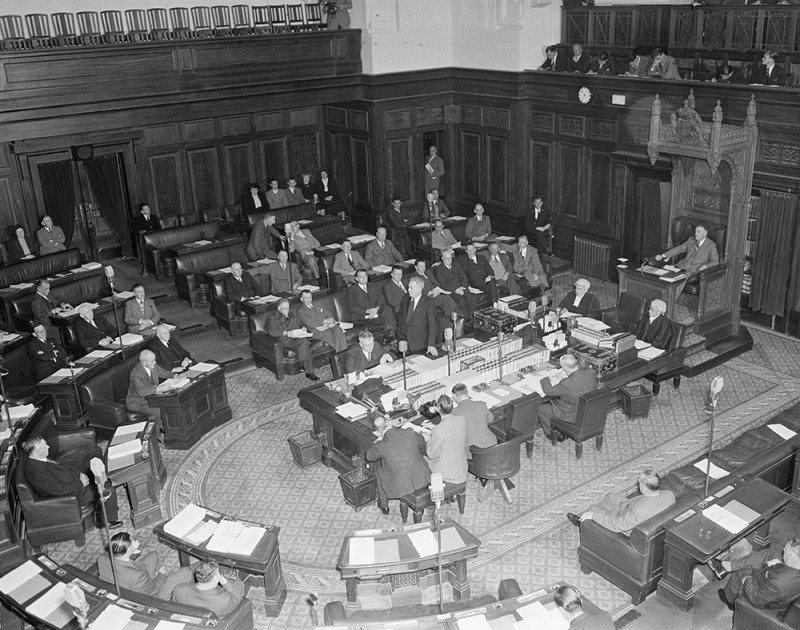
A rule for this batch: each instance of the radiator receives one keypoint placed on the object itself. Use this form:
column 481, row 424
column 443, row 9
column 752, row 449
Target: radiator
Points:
column 591, row 258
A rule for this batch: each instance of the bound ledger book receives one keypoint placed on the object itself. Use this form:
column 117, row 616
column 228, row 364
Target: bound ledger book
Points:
column 196, row 525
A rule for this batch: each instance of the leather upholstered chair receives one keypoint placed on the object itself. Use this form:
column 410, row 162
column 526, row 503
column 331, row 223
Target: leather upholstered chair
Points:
column 518, row 418
column 496, row 465
column 590, row 421
column 748, row 617
column 104, row 396
column 624, row 316
column 682, row 230
column 674, row 369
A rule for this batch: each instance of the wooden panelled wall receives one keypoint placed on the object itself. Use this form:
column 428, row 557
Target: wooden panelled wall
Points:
column 203, row 124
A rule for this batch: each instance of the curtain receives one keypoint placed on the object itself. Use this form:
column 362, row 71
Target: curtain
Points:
column 106, row 183
column 58, row 192
column 775, row 238
column 793, row 300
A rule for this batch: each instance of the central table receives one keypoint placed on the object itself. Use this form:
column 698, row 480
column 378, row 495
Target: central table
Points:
column 692, row 538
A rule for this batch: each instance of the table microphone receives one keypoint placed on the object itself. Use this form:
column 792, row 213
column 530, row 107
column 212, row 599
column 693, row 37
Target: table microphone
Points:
column 402, row 346
column 99, row 471
column 449, row 345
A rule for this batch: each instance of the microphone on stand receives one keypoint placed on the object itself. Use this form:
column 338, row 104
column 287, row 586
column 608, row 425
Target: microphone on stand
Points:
column 437, row 496
column 98, row 469
column 712, row 398
column 448, row 346
column 402, row 346
column 109, row 270
column 454, row 318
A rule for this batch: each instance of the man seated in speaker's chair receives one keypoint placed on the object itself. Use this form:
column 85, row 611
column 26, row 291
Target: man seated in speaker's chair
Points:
column 700, row 253
column 655, row 328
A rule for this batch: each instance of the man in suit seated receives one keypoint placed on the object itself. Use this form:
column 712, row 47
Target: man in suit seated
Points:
column 303, row 241
column 442, row 301
column 365, row 355
column 478, row 418
column 767, row 579
column 770, row 73
column 284, row 325
column 347, row 262
column 451, row 277
column 320, row 323
column 621, row 514
column 502, row 272
column 145, row 381
column 416, row 321
column 146, row 222
column 263, row 240
column 50, row 237
column 275, row 197
column 253, row 200
column 52, row 479
column 566, row 392
column 479, row 227
column 19, row 247
column 93, row 333
column 402, row 469
column 655, row 327
column 442, row 238
column 437, row 208
column 239, row 286
column 42, row 306
column 527, row 265
column 476, row 268
column 699, row 252
column 170, row 354
column 141, row 573
column 210, row 591
column 46, row 355
column 367, row 304
column 538, row 223
column 397, row 225
column 381, row 251
column 283, row 278
column 395, row 290
column 141, row 312
column 580, row 302
column 292, row 193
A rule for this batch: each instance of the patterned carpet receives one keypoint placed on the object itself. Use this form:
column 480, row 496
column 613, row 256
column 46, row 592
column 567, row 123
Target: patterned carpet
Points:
column 245, row 468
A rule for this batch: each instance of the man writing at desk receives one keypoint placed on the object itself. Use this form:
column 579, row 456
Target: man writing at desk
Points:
column 365, row 355
column 700, row 252
column 566, row 393
column 655, row 328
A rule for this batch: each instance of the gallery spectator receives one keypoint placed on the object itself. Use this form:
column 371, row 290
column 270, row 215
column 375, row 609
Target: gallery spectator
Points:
column 51, row 237
column 580, row 61
column 554, row 61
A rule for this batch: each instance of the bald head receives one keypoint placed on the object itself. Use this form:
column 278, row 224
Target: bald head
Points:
column 147, row 358
column 86, row 312
column 162, row 332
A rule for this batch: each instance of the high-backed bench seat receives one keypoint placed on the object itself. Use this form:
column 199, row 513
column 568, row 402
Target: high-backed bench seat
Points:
column 189, row 268
column 155, row 244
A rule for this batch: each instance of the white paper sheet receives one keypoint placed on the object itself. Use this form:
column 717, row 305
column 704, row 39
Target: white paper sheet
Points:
column 169, row 625
column 362, row 550
column 22, row 573
column 128, row 339
column 474, row 622
column 247, row 540
column 424, row 542
column 185, row 520
column 204, row 367
column 382, row 268
column 21, row 412
column 224, row 538
column 126, row 430
column 716, row 472
column 785, row 432
column 351, row 410
column 112, row 618
column 52, row 606
column 725, row 519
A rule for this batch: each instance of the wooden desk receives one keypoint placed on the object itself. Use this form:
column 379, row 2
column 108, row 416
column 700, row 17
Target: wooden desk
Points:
column 143, row 480
column 192, row 411
column 148, row 611
column 648, row 286
column 396, row 554
column 9, row 342
column 686, row 545
column 261, row 568
column 214, row 243
column 68, row 404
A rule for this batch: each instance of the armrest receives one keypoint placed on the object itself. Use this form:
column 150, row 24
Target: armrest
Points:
column 73, row 440
column 53, row 510
column 225, row 308
column 264, row 344
column 614, row 548
column 713, row 270
column 185, row 281
column 747, row 617
column 105, row 414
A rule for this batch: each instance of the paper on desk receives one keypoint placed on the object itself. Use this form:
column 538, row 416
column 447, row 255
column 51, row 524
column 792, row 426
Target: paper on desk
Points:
column 119, row 451
column 785, row 432
column 52, row 607
column 98, row 354
column 112, row 618
column 91, row 265
column 202, row 242
column 345, row 325
column 382, row 268
column 724, row 519
column 169, row 625
column 742, row 511
column 7, row 337
column 535, row 615
column 224, row 538
column 527, row 386
column 473, row 622
column 351, row 410
column 201, row 534
column 490, row 400
column 451, row 539
column 247, row 540
column 22, row 573
column 469, row 342
column 304, row 221
column 204, row 367
column 21, row 285
column 128, row 339
column 185, row 520
column 65, row 372
column 716, row 472
column 123, row 295
column 362, row 550
column 641, row 345
column 422, row 225
column 308, row 287
column 672, row 268
column 172, row 384
column 30, row 588
column 505, row 239
column 424, row 542
column 506, row 622
column 648, row 354
column 410, row 261
column 21, row 412
column 502, row 391
column 474, row 290
column 387, row 551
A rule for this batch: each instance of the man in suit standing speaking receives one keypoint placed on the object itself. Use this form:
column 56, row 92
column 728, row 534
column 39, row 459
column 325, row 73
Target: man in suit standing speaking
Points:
column 416, row 322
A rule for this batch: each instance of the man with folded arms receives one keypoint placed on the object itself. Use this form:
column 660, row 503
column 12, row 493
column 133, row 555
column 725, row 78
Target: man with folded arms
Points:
column 765, row 578
column 347, row 262
column 210, row 590
column 170, row 354
column 621, row 514
column 381, row 251
column 141, row 573
column 93, row 333
column 46, row 355
column 320, row 323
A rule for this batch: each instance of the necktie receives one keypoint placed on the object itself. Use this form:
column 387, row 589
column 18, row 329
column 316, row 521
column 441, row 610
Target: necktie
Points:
column 411, row 310
column 402, row 288
column 496, row 259
column 350, row 259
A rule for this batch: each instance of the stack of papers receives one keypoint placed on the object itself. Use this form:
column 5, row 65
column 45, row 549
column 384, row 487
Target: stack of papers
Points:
column 128, row 339
column 204, row 367
column 6, row 337
column 265, row 299
column 648, row 354
column 24, row 582
column 112, row 618
column 185, row 520
column 127, row 432
column 21, row 412
column 422, row 225
column 201, row 242
column 21, row 285
column 123, row 295
column 52, row 607
column 351, row 410
column 535, row 615
column 641, row 345
column 91, row 265
column 424, row 542
column 123, row 455
column 236, row 538
column 173, row 383
column 382, row 268
column 307, row 287
column 725, row 519
column 361, row 238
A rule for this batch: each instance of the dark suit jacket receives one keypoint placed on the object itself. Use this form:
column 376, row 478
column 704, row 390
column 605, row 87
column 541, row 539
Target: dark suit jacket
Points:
column 589, row 306
column 41, row 307
column 15, row 249
column 171, row 356
column 140, row 224
column 394, row 295
column 388, row 255
column 402, row 469
column 359, row 301
column 775, row 586
column 608, row 68
column 396, row 219
column 279, row 278
column 249, row 206
column 263, row 242
column 478, row 417
column 355, row 361
column 450, row 279
column 235, row 290
column 477, row 228
column 51, row 242
column 507, row 264
column 319, row 189
column 90, row 336
column 477, row 272
column 421, row 328
column 568, row 391
column 531, row 222
column 142, row 385
column 46, row 357
column 51, row 479
column 559, row 66
column 778, row 76
column 657, row 334
column 582, row 65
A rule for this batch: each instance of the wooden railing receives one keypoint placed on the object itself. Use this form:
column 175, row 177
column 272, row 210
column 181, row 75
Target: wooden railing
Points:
column 732, row 29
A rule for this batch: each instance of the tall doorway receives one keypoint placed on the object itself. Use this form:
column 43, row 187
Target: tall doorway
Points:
column 88, row 194
column 646, row 214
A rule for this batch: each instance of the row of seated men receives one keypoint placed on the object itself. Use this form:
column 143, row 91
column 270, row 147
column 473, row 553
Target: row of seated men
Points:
column 659, row 64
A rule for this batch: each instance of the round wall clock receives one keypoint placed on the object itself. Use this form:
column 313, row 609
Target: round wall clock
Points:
column 584, row 95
